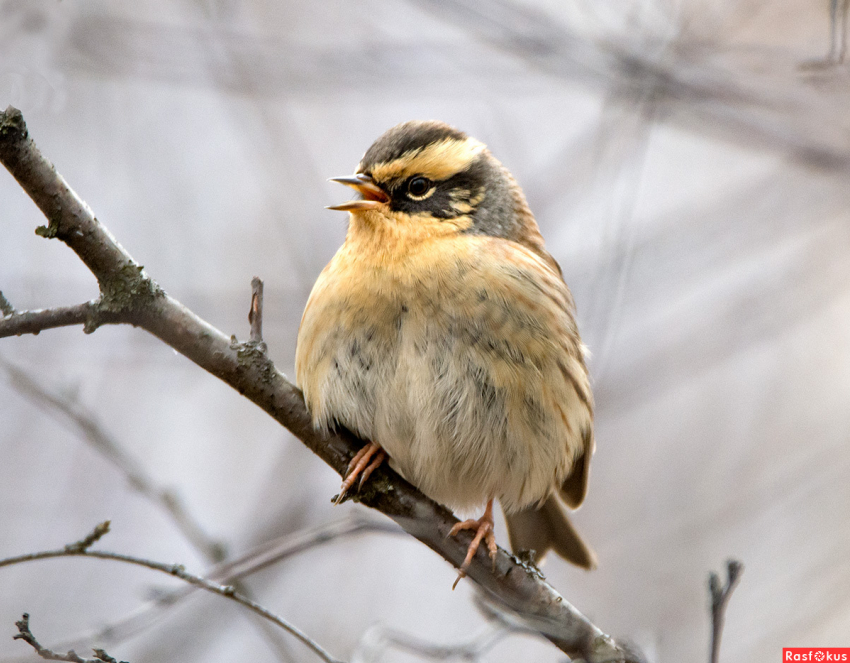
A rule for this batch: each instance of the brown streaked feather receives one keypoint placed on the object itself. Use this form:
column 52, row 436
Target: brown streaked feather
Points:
column 548, row 528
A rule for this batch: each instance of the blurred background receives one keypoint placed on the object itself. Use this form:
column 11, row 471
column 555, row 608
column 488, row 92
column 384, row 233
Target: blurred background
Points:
column 688, row 164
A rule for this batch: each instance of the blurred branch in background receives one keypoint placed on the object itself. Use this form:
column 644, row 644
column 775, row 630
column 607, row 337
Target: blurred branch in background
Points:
column 86, row 424
column 379, row 641
column 671, row 63
column 837, row 31
column 687, row 84
column 720, row 595
column 71, row 411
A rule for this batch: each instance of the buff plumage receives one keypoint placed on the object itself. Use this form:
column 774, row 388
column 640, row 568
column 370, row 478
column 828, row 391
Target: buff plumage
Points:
column 443, row 331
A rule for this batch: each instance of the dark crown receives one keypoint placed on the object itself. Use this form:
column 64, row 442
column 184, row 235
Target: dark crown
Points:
column 407, row 137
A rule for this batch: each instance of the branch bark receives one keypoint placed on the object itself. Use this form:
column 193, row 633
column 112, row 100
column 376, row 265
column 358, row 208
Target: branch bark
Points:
column 31, row 322
column 129, row 296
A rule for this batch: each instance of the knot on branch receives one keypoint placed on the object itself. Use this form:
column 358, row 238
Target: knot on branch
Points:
column 525, row 558
column 252, row 357
column 51, row 230
column 12, row 125
column 123, row 294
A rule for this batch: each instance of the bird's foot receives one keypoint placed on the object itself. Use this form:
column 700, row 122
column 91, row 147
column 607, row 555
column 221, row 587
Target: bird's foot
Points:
column 363, row 464
column 483, row 531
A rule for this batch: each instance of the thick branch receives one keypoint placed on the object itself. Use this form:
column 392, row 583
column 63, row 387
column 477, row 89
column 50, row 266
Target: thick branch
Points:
column 129, row 295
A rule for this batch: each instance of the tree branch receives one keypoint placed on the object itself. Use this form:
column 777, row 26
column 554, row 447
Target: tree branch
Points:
column 17, row 323
column 254, row 560
column 81, row 549
column 129, row 295
column 26, row 635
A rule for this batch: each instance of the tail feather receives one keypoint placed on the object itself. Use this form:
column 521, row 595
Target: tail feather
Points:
column 548, row 528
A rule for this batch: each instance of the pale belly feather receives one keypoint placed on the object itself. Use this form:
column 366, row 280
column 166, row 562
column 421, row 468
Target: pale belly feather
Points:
column 466, row 378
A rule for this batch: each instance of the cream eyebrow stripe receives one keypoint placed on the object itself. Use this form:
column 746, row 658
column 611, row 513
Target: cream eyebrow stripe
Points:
column 437, row 161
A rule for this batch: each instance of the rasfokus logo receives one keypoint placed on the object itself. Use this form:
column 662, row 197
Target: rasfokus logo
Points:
column 816, row 654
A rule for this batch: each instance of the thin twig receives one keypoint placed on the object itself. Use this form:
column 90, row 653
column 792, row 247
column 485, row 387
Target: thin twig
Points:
column 90, row 539
column 129, row 295
column 258, row 558
column 24, row 633
column 719, row 599
column 255, row 315
column 178, row 571
column 136, row 475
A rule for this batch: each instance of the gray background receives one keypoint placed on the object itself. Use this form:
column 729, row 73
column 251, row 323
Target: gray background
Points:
column 688, row 165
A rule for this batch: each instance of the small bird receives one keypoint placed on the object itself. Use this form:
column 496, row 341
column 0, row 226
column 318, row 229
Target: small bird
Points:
column 442, row 331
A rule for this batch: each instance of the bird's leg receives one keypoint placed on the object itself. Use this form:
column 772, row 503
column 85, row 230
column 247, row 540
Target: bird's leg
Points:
column 363, row 464
column 483, row 530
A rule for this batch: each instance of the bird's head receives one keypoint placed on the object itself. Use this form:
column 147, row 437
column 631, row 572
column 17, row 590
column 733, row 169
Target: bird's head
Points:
column 431, row 173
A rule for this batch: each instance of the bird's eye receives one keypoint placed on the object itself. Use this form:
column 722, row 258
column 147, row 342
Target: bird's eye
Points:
column 418, row 187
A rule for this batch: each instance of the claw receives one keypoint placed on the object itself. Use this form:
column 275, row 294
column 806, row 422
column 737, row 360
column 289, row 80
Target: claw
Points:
column 376, row 462
column 483, row 531
column 361, row 464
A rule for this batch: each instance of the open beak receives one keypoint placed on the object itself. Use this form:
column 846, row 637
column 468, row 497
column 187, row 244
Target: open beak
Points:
column 373, row 195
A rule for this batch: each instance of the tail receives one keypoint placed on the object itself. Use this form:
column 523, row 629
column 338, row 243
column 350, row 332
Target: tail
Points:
column 548, row 528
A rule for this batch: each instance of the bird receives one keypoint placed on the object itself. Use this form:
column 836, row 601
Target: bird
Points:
column 442, row 332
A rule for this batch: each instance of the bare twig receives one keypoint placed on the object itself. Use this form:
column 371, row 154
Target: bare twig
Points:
column 80, row 549
column 255, row 315
column 109, row 448
column 136, row 475
column 719, row 599
column 129, row 295
column 254, row 560
column 90, row 539
column 26, row 635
